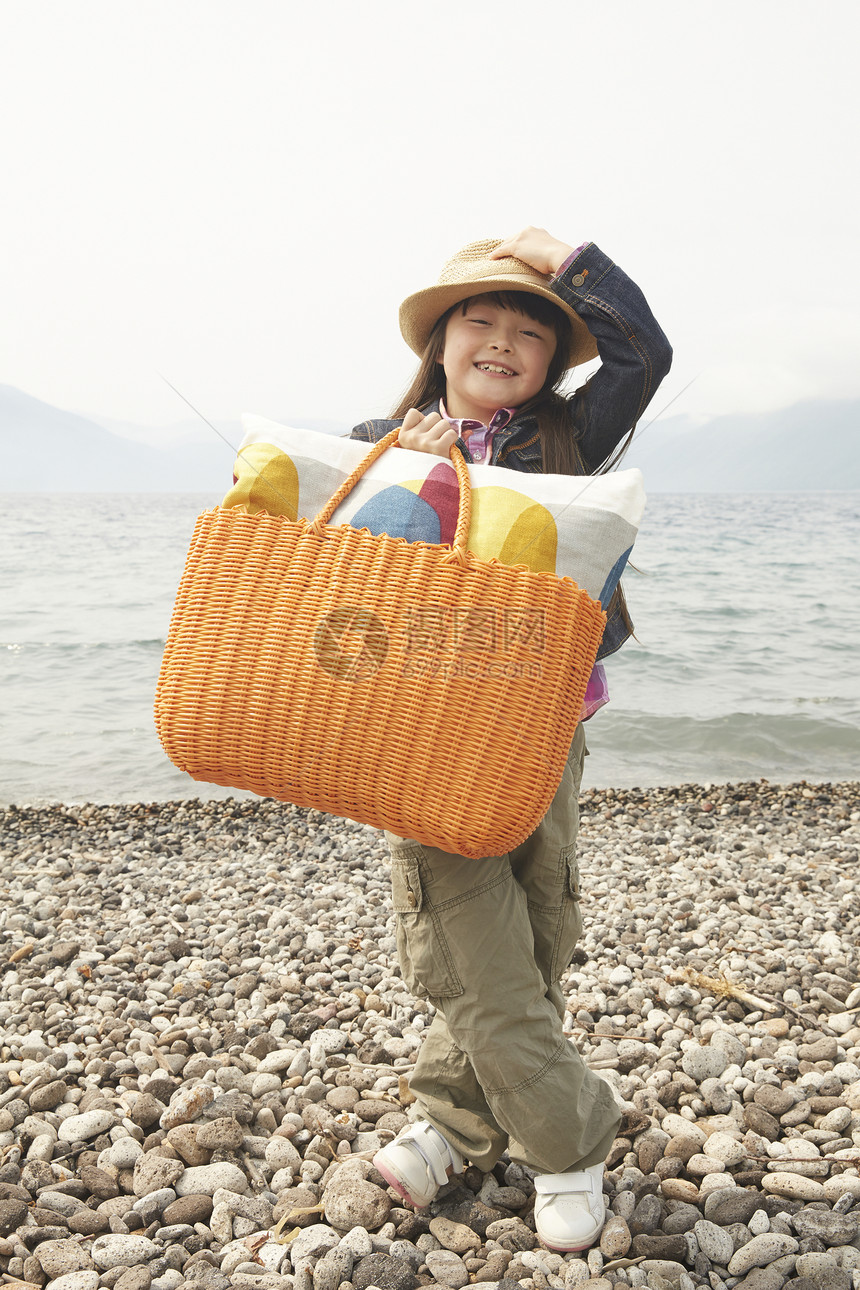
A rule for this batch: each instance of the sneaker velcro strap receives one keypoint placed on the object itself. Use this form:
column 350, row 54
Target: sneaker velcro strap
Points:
column 580, row 1183
column 434, row 1149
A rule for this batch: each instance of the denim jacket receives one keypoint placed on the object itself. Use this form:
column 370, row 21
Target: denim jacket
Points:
column 635, row 356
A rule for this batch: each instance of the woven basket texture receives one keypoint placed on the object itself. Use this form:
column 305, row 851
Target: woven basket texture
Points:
column 406, row 685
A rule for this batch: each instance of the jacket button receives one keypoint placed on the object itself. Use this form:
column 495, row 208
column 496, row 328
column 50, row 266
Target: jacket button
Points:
column 577, row 280
column 410, row 899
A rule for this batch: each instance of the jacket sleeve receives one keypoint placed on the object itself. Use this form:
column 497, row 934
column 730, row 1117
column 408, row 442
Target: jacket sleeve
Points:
column 634, row 352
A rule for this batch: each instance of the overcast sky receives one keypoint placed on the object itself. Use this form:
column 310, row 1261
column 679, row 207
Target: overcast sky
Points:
column 239, row 193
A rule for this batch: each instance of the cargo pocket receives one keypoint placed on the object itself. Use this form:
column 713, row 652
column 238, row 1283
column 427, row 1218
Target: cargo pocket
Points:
column 571, row 917
column 572, row 868
column 422, row 947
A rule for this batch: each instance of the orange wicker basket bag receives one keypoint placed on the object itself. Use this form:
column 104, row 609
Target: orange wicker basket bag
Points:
column 408, row 685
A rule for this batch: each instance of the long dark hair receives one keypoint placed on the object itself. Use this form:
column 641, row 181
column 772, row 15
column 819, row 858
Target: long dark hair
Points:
column 557, row 427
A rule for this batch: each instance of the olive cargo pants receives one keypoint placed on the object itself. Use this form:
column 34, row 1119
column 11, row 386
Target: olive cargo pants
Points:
column 486, row 941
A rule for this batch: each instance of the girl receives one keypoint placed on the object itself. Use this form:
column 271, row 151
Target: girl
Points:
column 488, row 940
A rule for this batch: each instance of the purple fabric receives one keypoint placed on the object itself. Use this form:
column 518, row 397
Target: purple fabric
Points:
column 596, row 692
column 475, row 434
column 569, row 261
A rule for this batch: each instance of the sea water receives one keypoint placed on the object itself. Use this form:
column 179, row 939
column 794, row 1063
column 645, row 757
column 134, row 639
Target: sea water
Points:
column 746, row 663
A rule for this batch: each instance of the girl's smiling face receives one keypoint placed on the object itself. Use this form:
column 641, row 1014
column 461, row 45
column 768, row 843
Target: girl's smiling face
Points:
column 493, row 358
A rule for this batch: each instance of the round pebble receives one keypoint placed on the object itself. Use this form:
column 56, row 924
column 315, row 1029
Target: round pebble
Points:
column 117, row 1251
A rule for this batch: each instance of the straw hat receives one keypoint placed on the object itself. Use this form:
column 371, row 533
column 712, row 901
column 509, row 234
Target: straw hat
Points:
column 471, row 272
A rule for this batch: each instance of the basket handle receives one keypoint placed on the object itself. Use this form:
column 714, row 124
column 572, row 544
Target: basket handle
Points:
column 458, row 551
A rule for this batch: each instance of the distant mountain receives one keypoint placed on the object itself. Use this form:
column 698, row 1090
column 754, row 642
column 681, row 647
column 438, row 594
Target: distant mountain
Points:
column 45, row 449
column 198, row 431
column 810, row 446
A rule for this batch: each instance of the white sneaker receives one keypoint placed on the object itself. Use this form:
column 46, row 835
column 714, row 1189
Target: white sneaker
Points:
column 569, row 1210
column 418, row 1162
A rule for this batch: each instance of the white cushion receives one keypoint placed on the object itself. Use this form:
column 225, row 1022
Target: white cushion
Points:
column 577, row 526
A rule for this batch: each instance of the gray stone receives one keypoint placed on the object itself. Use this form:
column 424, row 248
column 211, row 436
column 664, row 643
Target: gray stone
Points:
column 759, row 1223
column 333, row 1269
column 717, row 1096
column 155, row 1173
column 206, row 1277
column 147, row 1110
column 281, row 1154
column 831, row 1279
column 119, row 1250
column 60, row 1202
column 76, row 1281
column 358, row 1241
column 154, row 1204
column 669, row 1269
column 48, row 1096
column 195, row 1208
column 762, row 1279
column 80, row 1128
column 822, row 1050
column 122, row 1154
column 454, row 1236
column 256, row 1208
column 313, row 1242
column 187, row 1104
column 402, row 1249
column 816, row 1264
column 352, row 1201
column 832, row 1229
column 134, row 1279
column 576, row 1274
column 776, row 1101
column 793, row 1186
column 729, row 1044
column 714, row 1242
column 659, row 1246
column 12, row 1214
column 383, row 1272
column 703, row 1063
column 173, row 1233
column 799, row 1114
column 301, row 1204
column 650, row 1147
column 448, row 1268
column 683, row 1218
column 58, row 1258
column 647, row 1215
column 615, row 1238
column 760, row 1251
column 731, row 1205
column 761, row 1121
column 207, row 1179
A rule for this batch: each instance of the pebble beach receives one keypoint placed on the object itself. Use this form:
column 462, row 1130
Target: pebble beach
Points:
column 204, row 1038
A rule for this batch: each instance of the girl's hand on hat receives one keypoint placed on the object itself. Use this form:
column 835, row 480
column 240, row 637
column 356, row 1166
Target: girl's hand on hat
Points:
column 427, row 434
column 537, row 247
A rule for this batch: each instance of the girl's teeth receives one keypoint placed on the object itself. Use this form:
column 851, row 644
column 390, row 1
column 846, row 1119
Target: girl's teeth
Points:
column 490, row 367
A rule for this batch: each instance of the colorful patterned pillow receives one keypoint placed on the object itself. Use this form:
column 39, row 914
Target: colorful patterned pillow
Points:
column 577, row 526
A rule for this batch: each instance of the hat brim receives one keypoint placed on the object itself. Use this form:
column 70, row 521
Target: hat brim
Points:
column 420, row 312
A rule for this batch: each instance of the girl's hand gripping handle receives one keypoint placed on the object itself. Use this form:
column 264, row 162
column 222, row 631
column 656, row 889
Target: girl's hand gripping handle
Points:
column 427, row 434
